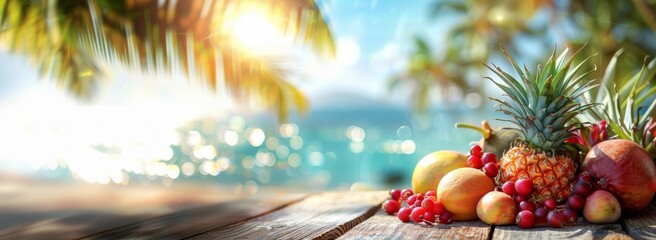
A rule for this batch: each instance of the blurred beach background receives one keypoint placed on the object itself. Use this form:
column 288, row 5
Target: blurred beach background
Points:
column 353, row 109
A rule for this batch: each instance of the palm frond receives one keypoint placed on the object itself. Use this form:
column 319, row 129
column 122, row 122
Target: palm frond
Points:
column 626, row 102
column 67, row 40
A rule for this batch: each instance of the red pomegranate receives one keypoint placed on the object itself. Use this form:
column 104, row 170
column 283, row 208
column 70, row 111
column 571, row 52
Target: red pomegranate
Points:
column 624, row 169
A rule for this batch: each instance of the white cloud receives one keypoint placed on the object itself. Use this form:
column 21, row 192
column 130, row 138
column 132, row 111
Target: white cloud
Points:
column 348, row 50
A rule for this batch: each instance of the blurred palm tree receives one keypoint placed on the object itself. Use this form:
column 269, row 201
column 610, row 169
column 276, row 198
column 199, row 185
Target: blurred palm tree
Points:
column 425, row 72
column 604, row 26
column 482, row 25
column 69, row 39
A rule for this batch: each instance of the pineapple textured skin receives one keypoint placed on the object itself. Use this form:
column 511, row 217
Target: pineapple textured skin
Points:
column 551, row 175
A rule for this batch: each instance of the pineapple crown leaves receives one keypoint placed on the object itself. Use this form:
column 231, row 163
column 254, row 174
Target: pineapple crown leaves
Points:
column 626, row 104
column 543, row 104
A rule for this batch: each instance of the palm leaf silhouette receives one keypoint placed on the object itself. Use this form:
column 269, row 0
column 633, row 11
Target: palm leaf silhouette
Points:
column 67, row 40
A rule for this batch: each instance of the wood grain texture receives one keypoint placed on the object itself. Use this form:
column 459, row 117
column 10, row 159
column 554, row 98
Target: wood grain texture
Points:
column 197, row 220
column 321, row 216
column 383, row 226
column 642, row 225
column 582, row 230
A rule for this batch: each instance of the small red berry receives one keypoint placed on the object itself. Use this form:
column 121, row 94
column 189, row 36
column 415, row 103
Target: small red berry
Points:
column 474, row 161
column 582, row 188
column 445, row 217
column 431, row 193
column 585, row 177
column 412, row 199
column 404, row 214
column 438, row 208
column 541, row 216
column 550, row 204
column 576, row 202
column 524, row 187
column 489, row 157
column 476, row 150
column 391, row 206
column 395, row 194
column 417, row 214
column 428, row 204
column 406, row 193
column 429, row 217
column 491, row 169
column 527, row 205
column 520, row 198
column 509, row 188
column 556, row 219
column 571, row 215
column 525, row 219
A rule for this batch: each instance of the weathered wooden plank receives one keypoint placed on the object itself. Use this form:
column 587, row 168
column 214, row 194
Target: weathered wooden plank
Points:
column 321, row 216
column 642, row 225
column 581, row 230
column 40, row 208
column 197, row 220
column 383, row 226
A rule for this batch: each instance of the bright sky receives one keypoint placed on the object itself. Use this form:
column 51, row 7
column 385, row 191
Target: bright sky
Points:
column 372, row 38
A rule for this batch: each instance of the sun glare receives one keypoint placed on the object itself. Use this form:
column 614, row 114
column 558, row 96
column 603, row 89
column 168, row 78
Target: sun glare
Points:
column 254, row 32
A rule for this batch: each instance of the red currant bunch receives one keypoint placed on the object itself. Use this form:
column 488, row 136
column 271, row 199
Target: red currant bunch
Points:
column 487, row 161
column 417, row 208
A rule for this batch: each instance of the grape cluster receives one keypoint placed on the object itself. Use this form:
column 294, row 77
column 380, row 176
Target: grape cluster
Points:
column 418, row 208
column 547, row 212
column 487, row 161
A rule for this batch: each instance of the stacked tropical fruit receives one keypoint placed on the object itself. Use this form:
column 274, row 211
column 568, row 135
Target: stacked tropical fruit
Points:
column 555, row 166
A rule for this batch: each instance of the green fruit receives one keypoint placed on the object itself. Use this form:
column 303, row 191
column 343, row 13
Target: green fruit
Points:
column 496, row 140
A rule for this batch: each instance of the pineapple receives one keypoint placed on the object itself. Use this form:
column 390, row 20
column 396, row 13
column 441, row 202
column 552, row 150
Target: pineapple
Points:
column 543, row 106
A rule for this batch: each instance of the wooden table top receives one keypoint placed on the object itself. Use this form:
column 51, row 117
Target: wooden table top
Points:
column 326, row 215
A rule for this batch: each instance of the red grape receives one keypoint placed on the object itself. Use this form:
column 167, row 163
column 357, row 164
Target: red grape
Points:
column 509, row 188
column 489, row 157
column 524, row 187
column 571, row 214
column 541, row 215
column 428, row 204
column 550, row 204
column 527, row 205
column 525, row 219
column 438, row 208
column 576, row 202
column 395, row 193
column 582, row 188
column 474, row 161
column 404, row 214
column 431, row 193
column 491, row 169
column 412, row 199
column 585, row 177
column 556, row 219
column 445, row 217
column 429, row 217
column 391, row 206
column 520, row 198
column 476, row 150
column 417, row 214
column 406, row 193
